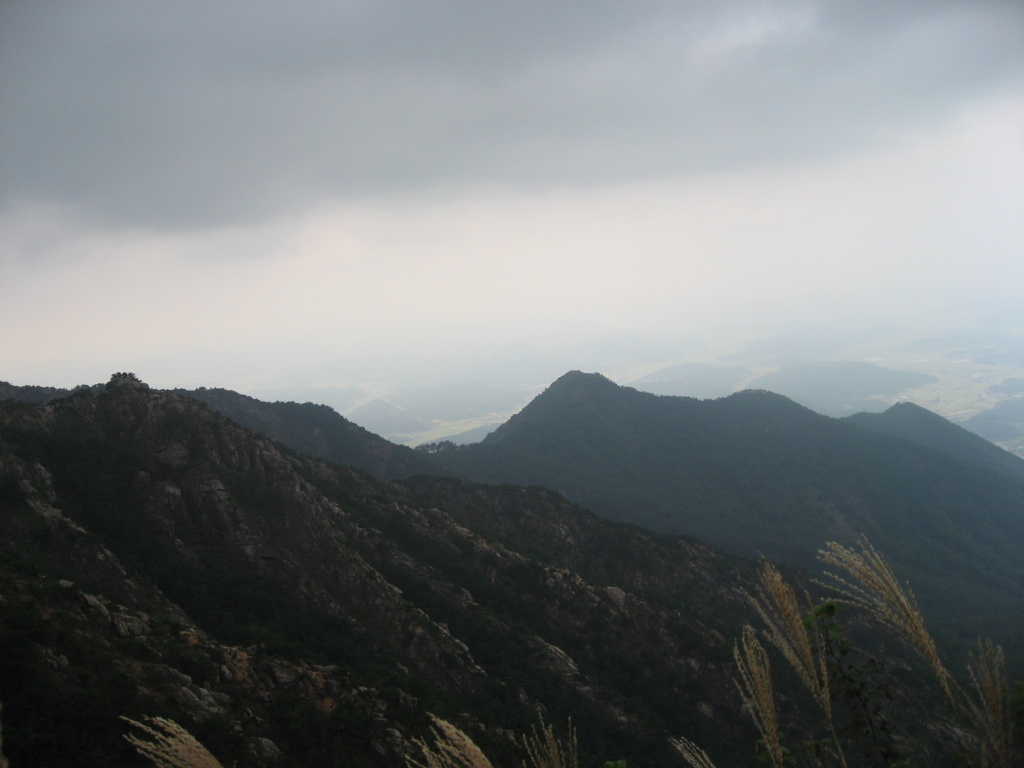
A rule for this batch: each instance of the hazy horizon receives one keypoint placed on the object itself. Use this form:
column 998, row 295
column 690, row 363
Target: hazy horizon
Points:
column 211, row 193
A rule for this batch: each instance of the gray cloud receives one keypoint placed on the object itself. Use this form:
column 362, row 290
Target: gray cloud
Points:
column 188, row 114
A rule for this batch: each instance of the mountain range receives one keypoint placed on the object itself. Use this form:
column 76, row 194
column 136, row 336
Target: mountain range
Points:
column 158, row 559
column 755, row 473
column 306, row 595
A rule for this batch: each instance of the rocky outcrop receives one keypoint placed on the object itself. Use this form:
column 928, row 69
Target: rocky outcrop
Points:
column 285, row 607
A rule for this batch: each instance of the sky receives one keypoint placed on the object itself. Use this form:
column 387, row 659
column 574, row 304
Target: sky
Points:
column 190, row 190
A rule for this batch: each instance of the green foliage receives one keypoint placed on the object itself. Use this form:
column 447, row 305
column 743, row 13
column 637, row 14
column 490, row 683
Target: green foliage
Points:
column 857, row 684
column 123, row 377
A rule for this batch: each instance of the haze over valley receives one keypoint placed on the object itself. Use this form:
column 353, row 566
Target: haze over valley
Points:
column 960, row 375
column 379, row 373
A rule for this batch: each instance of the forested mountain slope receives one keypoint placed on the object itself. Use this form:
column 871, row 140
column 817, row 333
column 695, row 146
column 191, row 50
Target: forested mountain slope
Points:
column 309, row 428
column 158, row 559
column 921, row 426
column 315, row 430
column 756, row 473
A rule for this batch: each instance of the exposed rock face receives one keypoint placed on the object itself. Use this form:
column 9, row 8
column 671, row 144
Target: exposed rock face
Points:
column 169, row 562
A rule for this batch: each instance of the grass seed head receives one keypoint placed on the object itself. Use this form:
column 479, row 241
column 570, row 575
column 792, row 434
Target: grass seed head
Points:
column 452, row 749
column 755, row 686
column 167, row 745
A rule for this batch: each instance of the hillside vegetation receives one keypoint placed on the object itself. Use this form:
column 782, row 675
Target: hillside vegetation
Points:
column 755, row 473
column 157, row 559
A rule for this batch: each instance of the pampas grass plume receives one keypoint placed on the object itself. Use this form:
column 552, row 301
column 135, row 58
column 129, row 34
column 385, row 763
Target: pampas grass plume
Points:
column 168, row 745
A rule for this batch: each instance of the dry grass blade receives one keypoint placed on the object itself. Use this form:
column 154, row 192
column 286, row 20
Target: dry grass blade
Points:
column 777, row 605
column 876, row 589
column 755, row 686
column 168, row 745
column 694, row 755
column 547, row 751
column 452, row 749
column 991, row 713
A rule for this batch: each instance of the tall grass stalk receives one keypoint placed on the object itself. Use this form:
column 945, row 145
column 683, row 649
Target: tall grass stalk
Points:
column 692, row 754
column 796, row 639
column 545, row 750
column 452, row 749
column 167, row 745
column 777, row 605
column 990, row 712
column 873, row 586
column 755, row 686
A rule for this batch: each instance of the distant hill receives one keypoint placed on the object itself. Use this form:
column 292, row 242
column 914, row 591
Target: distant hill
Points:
column 840, row 388
column 455, row 400
column 30, row 394
column 692, row 380
column 474, row 435
column 410, row 412
column 921, row 426
column 340, row 398
column 1003, row 422
column 390, row 420
column 756, row 473
column 309, row 428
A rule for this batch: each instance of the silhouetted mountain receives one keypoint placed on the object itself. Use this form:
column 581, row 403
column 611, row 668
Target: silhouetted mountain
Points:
column 921, row 426
column 692, row 380
column 410, row 413
column 384, row 418
column 158, row 559
column 756, row 473
column 340, row 398
column 315, row 430
column 30, row 394
column 474, row 435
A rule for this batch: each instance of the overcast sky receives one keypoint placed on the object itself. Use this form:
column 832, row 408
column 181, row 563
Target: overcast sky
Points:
column 183, row 183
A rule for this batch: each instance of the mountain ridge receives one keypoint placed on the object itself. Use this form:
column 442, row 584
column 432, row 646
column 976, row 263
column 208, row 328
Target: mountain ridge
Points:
column 157, row 558
column 315, row 430
column 922, row 427
column 754, row 472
